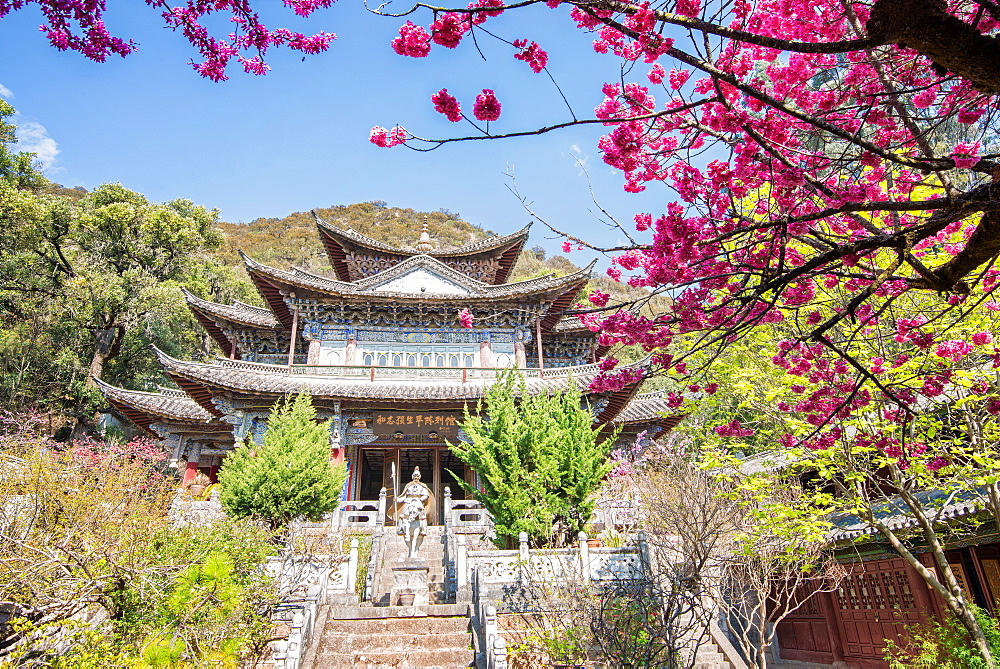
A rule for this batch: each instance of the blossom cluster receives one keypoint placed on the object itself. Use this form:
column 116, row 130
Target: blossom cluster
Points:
column 386, row 138
column 80, row 26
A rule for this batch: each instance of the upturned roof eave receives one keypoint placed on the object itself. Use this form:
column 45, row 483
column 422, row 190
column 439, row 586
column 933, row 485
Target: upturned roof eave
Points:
column 238, row 313
column 154, row 406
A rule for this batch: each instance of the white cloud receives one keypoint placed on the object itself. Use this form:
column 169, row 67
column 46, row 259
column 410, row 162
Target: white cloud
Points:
column 34, row 138
column 6, row 92
column 580, row 158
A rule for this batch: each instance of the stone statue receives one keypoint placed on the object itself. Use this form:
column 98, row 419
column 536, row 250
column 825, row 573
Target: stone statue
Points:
column 412, row 518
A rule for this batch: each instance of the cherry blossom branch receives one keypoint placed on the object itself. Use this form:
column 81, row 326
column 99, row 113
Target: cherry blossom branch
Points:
column 559, row 126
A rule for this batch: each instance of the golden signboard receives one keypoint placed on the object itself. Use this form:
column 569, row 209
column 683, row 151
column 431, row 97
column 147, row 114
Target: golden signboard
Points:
column 427, row 423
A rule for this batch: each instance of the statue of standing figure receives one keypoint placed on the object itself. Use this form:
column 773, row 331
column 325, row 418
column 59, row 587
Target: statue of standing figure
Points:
column 412, row 518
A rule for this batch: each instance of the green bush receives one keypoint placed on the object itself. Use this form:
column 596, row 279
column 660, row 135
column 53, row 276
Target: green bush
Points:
column 290, row 476
column 538, row 458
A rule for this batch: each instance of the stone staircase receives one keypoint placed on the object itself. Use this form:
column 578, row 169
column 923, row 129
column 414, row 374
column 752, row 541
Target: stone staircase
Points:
column 403, row 643
column 381, row 634
column 710, row 657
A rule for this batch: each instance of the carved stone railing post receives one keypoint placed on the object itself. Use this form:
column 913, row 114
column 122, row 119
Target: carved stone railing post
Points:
column 522, row 545
column 461, row 576
column 279, row 652
column 584, row 556
column 335, row 520
column 645, row 555
column 499, row 658
column 380, row 520
column 491, row 632
column 447, row 506
column 352, row 566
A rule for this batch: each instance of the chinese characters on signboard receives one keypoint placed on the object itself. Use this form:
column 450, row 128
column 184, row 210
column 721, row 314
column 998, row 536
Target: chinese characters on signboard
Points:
column 427, row 423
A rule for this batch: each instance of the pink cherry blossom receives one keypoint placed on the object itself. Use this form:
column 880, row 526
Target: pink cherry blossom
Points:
column 532, row 54
column 487, row 107
column 447, row 104
column 448, row 30
column 413, row 41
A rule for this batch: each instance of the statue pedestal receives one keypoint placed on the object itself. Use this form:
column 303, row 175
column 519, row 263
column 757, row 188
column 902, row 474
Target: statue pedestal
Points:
column 409, row 577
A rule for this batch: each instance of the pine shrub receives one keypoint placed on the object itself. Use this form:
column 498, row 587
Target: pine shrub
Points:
column 290, row 476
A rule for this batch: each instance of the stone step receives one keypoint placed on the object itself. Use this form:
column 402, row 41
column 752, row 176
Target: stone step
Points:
column 447, row 659
column 376, row 613
column 400, row 626
column 710, row 657
column 392, row 642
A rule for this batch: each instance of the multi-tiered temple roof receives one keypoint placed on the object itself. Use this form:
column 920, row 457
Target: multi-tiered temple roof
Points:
column 383, row 337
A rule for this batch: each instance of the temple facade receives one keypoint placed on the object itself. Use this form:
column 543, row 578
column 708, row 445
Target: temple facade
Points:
column 382, row 352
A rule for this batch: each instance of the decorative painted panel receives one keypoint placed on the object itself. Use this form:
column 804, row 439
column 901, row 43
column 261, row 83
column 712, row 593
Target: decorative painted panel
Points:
column 500, row 315
column 421, row 280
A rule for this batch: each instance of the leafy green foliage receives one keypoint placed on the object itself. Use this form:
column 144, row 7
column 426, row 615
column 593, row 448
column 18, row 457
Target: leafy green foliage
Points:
column 945, row 645
column 290, row 476
column 85, row 532
column 539, row 460
column 87, row 279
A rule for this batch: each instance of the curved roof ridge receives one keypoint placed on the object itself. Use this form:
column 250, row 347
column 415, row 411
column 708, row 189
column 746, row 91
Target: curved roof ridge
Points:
column 276, row 380
column 251, row 307
column 486, row 244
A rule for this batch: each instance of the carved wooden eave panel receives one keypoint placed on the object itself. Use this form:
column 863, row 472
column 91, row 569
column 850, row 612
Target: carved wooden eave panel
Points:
column 355, row 256
column 572, row 327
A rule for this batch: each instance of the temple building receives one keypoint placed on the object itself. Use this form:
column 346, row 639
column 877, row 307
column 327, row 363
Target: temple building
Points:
column 383, row 353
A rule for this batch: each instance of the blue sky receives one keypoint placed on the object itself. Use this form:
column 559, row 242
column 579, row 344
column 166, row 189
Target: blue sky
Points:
column 297, row 138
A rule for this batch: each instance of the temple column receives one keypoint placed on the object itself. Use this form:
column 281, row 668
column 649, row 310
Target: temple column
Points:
column 312, row 358
column 193, row 460
column 519, row 355
column 485, row 354
column 351, row 351
column 336, row 435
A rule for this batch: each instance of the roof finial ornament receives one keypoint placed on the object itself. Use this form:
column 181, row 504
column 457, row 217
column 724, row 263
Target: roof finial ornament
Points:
column 424, row 245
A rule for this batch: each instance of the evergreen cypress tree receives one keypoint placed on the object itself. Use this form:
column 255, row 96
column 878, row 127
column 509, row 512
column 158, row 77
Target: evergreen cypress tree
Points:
column 290, row 476
column 538, row 458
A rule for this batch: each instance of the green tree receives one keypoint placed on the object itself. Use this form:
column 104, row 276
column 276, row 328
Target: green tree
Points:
column 539, row 459
column 290, row 476
column 86, row 277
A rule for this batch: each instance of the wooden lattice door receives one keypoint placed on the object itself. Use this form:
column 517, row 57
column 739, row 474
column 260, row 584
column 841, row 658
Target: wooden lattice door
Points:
column 875, row 603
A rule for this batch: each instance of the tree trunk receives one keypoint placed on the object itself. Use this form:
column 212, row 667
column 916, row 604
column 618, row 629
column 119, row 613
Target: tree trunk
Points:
column 952, row 44
column 950, row 591
column 108, row 345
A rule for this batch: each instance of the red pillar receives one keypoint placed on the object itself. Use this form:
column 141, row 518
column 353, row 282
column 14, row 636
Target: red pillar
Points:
column 191, row 471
